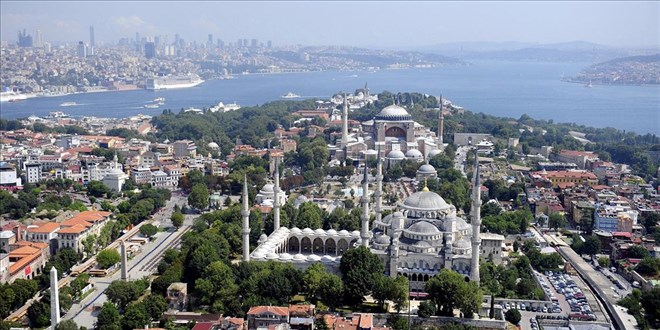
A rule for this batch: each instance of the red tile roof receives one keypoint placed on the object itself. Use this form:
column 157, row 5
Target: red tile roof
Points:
column 203, row 326
column 258, row 310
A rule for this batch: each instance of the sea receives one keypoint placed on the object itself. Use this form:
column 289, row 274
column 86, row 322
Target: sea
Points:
column 507, row 89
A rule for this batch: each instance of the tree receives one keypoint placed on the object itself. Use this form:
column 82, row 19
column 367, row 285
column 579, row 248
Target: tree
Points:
column 135, row 317
column 312, row 277
column 513, row 316
column 107, row 258
column 121, row 293
column 97, row 189
column 108, row 318
column 330, row 291
column 651, row 301
column 199, row 196
column 155, row 305
column 426, row 309
column 177, row 219
column 604, row 262
column 321, row 324
column 359, row 268
column 556, row 220
column 591, row 245
column 448, row 290
column 217, row 286
column 649, row 266
column 148, row 230
column 638, row 252
column 67, row 325
column 516, row 246
column 39, row 314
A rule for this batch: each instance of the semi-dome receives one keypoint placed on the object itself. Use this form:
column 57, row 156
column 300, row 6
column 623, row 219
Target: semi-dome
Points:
column 396, row 154
column 414, row 153
column 426, row 169
column 394, row 113
column 424, row 228
column 383, row 239
column 425, row 200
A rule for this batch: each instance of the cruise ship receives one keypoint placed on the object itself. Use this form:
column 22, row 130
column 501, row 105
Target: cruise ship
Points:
column 172, row 82
column 11, row 96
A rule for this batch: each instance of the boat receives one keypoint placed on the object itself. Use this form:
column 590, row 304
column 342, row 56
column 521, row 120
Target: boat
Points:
column 290, row 95
column 68, row 104
column 589, row 85
column 173, row 82
column 56, row 114
column 152, row 106
column 11, row 96
column 16, row 100
column 159, row 99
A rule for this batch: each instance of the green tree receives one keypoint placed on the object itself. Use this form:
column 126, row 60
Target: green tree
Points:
column 321, row 324
column 121, row 293
column 67, row 325
column 331, row 290
column 591, row 245
column 556, row 220
column 513, row 316
column 97, row 189
column 312, row 277
column 649, row 266
column 359, row 268
column 108, row 318
column 426, row 309
column 39, row 314
column 155, row 305
column 638, row 251
column 135, row 317
column 199, row 196
column 448, row 290
column 651, row 301
column 148, row 230
column 217, row 287
column 177, row 219
column 107, row 258
column 604, row 262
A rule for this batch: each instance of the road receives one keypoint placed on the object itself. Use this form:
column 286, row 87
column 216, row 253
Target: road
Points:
column 141, row 265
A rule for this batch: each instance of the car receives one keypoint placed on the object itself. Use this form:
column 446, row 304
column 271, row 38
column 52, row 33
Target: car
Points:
column 507, row 306
column 545, row 309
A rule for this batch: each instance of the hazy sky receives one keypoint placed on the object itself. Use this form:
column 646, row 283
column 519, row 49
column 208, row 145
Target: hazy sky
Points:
column 368, row 23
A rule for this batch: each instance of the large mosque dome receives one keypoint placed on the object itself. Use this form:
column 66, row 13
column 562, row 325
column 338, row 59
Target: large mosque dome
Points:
column 393, row 113
column 425, row 200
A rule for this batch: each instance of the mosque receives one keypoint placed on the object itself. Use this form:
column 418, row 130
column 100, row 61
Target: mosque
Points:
column 422, row 236
column 391, row 134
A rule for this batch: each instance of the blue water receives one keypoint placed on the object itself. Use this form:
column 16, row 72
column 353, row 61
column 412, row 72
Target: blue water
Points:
column 497, row 88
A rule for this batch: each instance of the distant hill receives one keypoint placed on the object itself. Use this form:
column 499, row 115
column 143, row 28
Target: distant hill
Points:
column 573, row 51
column 630, row 70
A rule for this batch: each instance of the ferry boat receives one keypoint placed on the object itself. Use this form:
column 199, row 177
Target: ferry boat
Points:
column 56, row 114
column 173, row 82
column 152, row 106
column 68, row 104
column 11, row 96
column 290, row 95
column 159, row 100
column 589, row 85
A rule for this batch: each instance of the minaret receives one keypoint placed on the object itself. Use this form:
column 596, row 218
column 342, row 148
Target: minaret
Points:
column 378, row 194
column 364, row 230
column 246, row 222
column 344, row 124
column 124, row 262
column 276, row 197
column 441, row 123
column 476, row 221
column 54, row 299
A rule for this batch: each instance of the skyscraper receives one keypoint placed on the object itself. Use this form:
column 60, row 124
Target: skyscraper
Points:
column 92, row 42
column 82, row 49
column 209, row 42
column 24, row 39
column 40, row 40
column 150, row 50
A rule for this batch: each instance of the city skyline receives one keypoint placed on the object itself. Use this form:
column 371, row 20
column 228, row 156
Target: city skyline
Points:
column 361, row 24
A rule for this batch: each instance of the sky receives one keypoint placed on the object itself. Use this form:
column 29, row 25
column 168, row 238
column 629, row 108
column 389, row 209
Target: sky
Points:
column 362, row 24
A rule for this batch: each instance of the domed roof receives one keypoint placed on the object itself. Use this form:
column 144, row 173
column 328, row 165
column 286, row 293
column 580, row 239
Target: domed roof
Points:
column 426, row 169
column 308, row 231
column 313, row 257
column 327, row 259
column 257, row 255
column 393, row 112
column 295, row 230
column 213, row 145
column 423, row 244
column 355, row 233
column 414, row 153
column 319, row 231
column 268, row 187
column 344, row 232
column 425, row 200
column 461, row 224
column 332, row 232
column 6, row 234
column 383, row 239
column 299, row 257
column 423, row 227
column 396, row 154
column 272, row 256
column 263, row 237
column 285, row 256
column 462, row 243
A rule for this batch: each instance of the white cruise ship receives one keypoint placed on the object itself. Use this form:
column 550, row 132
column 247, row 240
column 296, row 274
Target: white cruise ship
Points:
column 10, row 96
column 172, row 82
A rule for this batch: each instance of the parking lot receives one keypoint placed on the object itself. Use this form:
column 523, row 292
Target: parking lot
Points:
column 578, row 305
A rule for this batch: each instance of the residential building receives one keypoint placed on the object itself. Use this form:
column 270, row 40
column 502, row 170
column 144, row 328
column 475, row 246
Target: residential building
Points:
column 184, row 148
column 177, row 296
column 265, row 316
column 32, row 172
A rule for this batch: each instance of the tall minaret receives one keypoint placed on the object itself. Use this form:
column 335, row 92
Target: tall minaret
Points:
column 276, row 197
column 344, row 124
column 378, row 194
column 476, row 221
column 364, row 230
column 54, row 299
column 246, row 222
column 441, row 123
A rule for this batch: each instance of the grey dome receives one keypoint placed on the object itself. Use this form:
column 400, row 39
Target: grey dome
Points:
column 425, row 200
column 423, row 227
column 414, row 153
column 268, row 187
column 426, row 169
column 396, row 154
column 462, row 243
column 393, row 113
column 213, row 146
column 383, row 239
column 434, row 153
